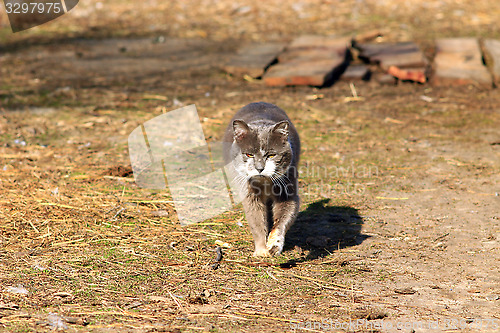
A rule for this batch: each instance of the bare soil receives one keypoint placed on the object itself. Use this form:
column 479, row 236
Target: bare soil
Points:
column 400, row 217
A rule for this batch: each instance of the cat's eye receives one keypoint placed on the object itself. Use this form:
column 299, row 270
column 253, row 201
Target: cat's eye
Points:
column 248, row 155
column 271, row 155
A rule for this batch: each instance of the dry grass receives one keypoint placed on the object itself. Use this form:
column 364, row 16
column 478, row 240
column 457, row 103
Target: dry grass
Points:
column 409, row 232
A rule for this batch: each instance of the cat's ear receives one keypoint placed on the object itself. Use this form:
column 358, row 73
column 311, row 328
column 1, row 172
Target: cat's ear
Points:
column 281, row 128
column 240, row 129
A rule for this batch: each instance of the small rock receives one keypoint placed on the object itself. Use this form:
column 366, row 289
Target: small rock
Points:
column 62, row 294
column 17, row 290
column 369, row 313
column 405, row 291
column 160, row 213
column 56, row 322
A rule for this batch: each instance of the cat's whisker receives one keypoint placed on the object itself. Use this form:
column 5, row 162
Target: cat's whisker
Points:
column 240, row 180
column 280, row 173
column 278, row 181
column 273, row 179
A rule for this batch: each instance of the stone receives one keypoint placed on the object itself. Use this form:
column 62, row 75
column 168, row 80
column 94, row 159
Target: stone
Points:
column 310, row 60
column 491, row 49
column 254, row 59
column 458, row 61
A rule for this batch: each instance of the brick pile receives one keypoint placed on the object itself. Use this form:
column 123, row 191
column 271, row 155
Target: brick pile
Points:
column 322, row 60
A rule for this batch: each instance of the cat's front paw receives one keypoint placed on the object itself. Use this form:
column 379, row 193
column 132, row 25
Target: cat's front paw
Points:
column 275, row 243
column 261, row 253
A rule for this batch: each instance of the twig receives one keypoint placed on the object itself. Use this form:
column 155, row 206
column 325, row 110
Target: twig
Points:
column 267, row 317
column 59, row 205
column 441, row 237
column 120, row 178
column 217, row 314
column 115, row 313
column 150, row 201
column 272, row 276
column 267, row 292
column 31, row 224
column 68, row 242
column 353, row 90
column 318, row 283
column 176, row 301
column 118, row 213
column 207, row 233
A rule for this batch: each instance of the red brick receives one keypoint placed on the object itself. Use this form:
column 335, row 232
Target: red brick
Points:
column 408, row 74
column 253, row 59
column 310, row 60
column 458, row 61
column 402, row 55
column 492, row 55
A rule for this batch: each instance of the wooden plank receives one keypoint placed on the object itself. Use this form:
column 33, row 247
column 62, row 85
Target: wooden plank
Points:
column 310, row 60
column 492, row 57
column 304, row 73
column 401, row 55
column 355, row 73
column 315, row 41
column 458, row 61
column 253, row 59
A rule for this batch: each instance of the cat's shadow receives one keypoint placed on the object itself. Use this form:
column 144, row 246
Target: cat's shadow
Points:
column 322, row 229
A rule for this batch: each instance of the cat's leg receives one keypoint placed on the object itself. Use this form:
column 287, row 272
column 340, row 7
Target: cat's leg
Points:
column 285, row 213
column 256, row 214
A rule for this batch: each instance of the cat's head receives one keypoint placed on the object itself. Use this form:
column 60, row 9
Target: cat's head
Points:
column 264, row 150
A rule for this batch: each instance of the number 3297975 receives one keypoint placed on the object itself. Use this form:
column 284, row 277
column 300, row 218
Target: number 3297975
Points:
column 34, row 8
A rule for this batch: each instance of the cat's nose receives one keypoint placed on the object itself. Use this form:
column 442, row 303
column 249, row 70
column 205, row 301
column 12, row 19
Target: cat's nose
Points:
column 260, row 169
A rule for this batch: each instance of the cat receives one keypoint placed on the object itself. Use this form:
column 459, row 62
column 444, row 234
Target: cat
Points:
column 261, row 153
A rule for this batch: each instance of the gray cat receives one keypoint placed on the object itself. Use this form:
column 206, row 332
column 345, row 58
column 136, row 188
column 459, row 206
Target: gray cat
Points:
column 261, row 151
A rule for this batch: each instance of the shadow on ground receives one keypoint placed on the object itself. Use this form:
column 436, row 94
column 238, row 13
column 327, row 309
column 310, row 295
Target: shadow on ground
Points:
column 322, row 229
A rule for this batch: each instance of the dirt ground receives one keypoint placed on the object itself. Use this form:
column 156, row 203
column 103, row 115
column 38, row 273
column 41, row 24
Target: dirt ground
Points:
column 399, row 227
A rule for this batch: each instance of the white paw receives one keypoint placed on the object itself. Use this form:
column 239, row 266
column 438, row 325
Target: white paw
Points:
column 261, row 253
column 275, row 243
